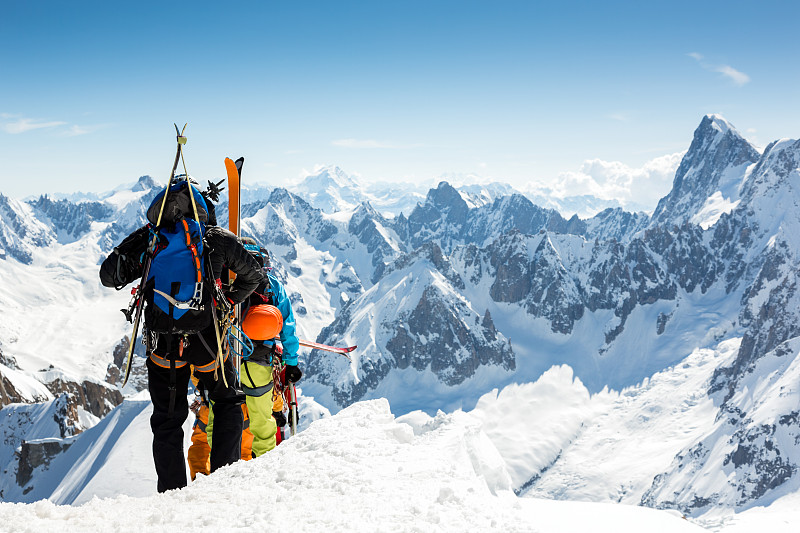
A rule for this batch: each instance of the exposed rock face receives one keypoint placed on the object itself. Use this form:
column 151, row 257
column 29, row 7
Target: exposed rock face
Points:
column 560, row 277
column 306, row 219
column 8, row 361
column 537, row 280
column 38, row 453
column 446, row 219
column 430, row 252
column 755, row 445
column 436, row 337
column 370, row 228
column 96, row 397
column 767, row 223
column 615, row 224
column 115, row 372
column 9, row 392
column 424, row 324
column 75, row 219
column 752, row 449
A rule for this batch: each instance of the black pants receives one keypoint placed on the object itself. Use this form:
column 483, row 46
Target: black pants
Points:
column 168, row 438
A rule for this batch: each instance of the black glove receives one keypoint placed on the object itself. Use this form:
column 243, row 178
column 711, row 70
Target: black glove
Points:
column 293, row 373
column 118, row 270
column 280, row 418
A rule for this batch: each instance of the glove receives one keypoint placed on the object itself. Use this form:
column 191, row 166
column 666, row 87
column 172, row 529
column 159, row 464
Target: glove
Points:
column 117, row 270
column 280, row 418
column 293, row 373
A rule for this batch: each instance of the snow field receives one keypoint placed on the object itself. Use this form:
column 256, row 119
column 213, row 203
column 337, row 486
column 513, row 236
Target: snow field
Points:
column 56, row 312
column 360, row 470
column 628, row 437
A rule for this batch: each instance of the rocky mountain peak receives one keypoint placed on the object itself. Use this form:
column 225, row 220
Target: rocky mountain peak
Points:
column 281, row 196
column 716, row 162
column 716, row 122
column 363, row 211
column 445, row 197
column 145, row 183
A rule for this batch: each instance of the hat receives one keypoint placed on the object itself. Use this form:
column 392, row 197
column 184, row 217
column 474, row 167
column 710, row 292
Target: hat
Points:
column 258, row 252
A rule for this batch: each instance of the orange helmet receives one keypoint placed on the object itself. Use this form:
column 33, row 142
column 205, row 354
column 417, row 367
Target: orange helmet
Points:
column 262, row 322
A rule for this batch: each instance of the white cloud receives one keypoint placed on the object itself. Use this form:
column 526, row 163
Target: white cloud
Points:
column 76, row 130
column 633, row 188
column 16, row 124
column 736, row 76
column 22, row 125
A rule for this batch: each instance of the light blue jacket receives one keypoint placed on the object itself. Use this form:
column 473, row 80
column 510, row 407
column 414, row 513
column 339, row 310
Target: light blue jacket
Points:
column 288, row 336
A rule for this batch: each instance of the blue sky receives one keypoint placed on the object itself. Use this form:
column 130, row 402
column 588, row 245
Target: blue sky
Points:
column 513, row 91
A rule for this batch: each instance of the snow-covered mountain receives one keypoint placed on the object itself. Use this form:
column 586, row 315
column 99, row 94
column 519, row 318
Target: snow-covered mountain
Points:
column 686, row 319
column 710, row 176
column 20, row 231
column 331, row 189
column 417, row 322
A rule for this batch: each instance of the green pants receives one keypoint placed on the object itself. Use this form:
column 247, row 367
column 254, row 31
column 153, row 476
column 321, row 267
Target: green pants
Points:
column 257, row 385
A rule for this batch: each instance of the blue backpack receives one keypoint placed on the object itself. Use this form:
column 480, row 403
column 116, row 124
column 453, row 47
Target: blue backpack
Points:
column 178, row 300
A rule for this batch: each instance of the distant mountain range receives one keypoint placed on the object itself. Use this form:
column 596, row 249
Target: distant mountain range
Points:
column 454, row 292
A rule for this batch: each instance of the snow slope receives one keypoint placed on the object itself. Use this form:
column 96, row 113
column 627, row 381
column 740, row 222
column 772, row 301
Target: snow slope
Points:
column 56, row 312
column 496, row 466
column 360, row 470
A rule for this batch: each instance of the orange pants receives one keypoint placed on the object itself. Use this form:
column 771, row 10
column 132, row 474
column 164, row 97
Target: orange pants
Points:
column 200, row 450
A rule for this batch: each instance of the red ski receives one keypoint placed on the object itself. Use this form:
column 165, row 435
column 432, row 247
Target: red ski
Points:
column 326, row 348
